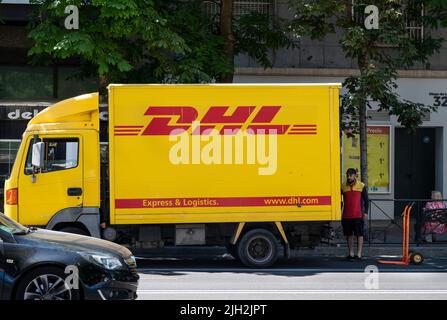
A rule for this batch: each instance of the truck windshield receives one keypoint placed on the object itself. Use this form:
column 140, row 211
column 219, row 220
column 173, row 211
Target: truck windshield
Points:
column 11, row 226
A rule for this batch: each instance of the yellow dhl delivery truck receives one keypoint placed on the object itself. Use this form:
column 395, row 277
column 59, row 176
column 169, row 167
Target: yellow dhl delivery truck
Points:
column 255, row 168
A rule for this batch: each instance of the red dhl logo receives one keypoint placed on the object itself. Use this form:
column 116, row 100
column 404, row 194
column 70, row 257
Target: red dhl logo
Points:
column 215, row 118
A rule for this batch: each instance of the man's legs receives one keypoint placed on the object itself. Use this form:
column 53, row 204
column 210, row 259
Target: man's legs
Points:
column 359, row 246
column 350, row 240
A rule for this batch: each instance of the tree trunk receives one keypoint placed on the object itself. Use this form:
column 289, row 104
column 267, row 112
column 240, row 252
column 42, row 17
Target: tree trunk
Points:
column 103, row 83
column 226, row 30
column 363, row 63
column 363, row 143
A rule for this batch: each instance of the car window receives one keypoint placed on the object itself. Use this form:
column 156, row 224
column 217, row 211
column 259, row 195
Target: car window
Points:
column 60, row 154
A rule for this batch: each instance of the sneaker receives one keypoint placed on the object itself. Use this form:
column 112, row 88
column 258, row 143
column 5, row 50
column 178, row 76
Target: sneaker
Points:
column 349, row 258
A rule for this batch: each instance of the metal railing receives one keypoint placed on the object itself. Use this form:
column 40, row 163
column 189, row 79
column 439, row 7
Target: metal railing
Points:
column 393, row 213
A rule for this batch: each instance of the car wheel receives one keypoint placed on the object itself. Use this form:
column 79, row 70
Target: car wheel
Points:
column 258, row 248
column 74, row 230
column 46, row 283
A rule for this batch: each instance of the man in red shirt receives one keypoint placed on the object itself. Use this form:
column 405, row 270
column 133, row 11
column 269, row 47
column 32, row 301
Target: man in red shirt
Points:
column 355, row 207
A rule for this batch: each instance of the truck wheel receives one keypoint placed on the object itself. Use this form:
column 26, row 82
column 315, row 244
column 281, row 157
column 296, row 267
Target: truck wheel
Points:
column 258, row 248
column 74, row 230
column 46, row 284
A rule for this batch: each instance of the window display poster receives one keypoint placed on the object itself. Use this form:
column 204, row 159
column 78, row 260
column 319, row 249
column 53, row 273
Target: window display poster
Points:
column 378, row 145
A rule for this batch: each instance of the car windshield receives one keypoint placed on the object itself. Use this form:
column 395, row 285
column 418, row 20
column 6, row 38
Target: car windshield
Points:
column 11, row 226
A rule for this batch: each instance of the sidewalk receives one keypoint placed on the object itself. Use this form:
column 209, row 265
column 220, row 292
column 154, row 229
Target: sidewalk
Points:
column 438, row 251
column 386, row 239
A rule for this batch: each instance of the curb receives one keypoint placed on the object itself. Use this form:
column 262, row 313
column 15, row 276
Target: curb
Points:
column 371, row 251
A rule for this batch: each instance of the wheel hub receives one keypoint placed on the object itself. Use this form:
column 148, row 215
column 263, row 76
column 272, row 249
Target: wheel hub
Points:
column 48, row 287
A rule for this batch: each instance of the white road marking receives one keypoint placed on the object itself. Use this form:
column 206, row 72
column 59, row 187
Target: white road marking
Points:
column 206, row 291
column 281, row 270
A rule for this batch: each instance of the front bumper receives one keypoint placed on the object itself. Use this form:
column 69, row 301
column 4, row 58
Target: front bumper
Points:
column 101, row 284
column 112, row 290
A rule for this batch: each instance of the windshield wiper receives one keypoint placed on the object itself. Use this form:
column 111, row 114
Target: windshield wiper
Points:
column 21, row 232
column 26, row 231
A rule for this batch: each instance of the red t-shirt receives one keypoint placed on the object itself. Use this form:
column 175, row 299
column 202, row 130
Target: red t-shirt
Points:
column 353, row 196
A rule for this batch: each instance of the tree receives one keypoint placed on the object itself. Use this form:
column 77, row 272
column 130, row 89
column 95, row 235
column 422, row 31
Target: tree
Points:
column 130, row 41
column 153, row 40
column 379, row 53
column 253, row 34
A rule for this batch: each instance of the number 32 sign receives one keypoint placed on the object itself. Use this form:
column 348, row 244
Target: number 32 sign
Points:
column 440, row 99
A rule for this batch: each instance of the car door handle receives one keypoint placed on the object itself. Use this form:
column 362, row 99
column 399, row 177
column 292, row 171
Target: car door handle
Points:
column 72, row 192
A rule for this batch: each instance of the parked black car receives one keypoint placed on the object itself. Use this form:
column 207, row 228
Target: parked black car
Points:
column 39, row 264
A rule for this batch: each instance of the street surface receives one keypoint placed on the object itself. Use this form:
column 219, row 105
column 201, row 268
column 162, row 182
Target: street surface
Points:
column 307, row 277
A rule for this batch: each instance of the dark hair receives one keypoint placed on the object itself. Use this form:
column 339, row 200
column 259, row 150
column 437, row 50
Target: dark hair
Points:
column 351, row 171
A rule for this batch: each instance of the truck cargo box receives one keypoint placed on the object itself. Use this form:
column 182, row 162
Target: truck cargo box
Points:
column 224, row 153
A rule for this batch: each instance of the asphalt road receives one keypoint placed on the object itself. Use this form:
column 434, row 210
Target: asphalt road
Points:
column 309, row 277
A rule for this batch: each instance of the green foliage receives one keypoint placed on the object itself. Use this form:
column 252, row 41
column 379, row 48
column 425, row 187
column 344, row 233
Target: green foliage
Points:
column 130, row 40
column 150, row 40
column 205, row 61
column 378, row 53
column 256, row 33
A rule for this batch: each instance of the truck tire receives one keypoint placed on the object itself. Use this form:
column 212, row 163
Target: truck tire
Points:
column 74, row 230
column 258, row 248
column 46, row 283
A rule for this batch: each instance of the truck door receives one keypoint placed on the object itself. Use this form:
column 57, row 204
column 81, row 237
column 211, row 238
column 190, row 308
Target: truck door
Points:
column 56, row 186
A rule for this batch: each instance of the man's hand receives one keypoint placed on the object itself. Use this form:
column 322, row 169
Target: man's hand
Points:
column 103, row 225
column 365, row 215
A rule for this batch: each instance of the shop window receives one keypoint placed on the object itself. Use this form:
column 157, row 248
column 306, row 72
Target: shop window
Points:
column 104, row 152
column 70, row 84
column 8, row 151
column 240, row 7
column 26, row 82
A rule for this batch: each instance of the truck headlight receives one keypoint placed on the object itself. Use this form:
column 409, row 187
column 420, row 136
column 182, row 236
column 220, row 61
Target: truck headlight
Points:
column 108, row 262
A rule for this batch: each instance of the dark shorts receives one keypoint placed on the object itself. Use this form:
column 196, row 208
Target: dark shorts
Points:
column 352, row 227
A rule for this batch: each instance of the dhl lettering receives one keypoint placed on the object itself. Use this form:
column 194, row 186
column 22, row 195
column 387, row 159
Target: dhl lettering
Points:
column 291, row 201
column 168, row 120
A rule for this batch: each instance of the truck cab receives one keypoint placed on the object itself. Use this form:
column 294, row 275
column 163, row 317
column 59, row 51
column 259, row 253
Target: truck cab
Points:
column 55, row 181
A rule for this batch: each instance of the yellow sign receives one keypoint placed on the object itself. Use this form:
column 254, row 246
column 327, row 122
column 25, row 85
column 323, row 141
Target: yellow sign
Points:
column 378, row 144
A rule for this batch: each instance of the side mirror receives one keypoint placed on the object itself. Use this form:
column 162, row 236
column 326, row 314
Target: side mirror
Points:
column 37, row 159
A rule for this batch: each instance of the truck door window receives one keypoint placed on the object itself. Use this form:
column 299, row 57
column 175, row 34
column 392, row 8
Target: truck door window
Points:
column 28, row 166
column 60, row 154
